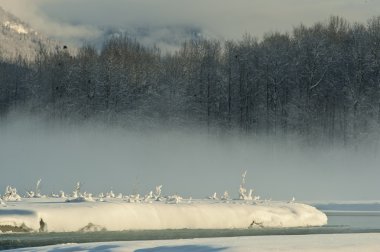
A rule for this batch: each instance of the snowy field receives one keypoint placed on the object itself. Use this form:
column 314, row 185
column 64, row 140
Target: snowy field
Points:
column 82, row 213
column 79, row 212
column 58, row 215
column 283, row 243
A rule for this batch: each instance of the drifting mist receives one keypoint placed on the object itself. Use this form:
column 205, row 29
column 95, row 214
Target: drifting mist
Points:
column 188, row 163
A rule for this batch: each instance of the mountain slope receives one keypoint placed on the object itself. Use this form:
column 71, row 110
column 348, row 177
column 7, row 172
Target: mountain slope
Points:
column 18, row 38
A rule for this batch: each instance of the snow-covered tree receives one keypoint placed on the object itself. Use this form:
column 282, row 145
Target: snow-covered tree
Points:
column 174, row 199
column 214, row 196
column 110, row 194
column 76, row 193
column 11, row 194
column 134, row 198
column 37, row 191
column 225, row 196
column 62, row 194
column 149, row 197
column 157, row 193
column 243, row 195
column 318, row 82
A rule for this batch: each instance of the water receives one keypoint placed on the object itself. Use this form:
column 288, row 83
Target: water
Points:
column 354, row 217
column 364, row 218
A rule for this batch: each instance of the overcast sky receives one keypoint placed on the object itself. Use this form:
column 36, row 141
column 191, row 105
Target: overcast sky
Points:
column 78, row 20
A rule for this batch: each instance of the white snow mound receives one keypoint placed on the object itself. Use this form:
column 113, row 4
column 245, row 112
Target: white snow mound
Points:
column 116, row 215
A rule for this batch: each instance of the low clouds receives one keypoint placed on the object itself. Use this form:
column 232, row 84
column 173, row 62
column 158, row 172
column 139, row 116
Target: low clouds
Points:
column 191, row 164
column 75, row 20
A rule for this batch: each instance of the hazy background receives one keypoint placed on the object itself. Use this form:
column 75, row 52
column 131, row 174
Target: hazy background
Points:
column 191, row 164
column 169, row 22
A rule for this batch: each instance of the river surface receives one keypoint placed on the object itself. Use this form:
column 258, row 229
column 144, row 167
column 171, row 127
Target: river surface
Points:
column 342, row 218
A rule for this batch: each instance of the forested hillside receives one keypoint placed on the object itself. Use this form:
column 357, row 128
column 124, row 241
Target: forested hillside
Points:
column 321, row 83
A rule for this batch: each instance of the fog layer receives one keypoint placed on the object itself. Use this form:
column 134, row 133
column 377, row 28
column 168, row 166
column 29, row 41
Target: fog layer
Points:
column 191, row 164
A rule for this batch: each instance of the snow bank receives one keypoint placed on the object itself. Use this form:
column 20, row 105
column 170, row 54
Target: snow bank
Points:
column 283, row 243
column 115, row 215
column 11, row 194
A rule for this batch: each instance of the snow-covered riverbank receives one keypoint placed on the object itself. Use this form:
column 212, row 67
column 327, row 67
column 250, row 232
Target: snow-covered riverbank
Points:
column 283, row 243
column 55, row 215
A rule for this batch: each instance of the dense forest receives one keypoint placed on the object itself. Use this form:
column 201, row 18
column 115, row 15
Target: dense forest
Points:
column 321, row 83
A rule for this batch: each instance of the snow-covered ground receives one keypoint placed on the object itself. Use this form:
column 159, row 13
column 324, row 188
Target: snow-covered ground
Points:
column 56, row 215
column 283, row 243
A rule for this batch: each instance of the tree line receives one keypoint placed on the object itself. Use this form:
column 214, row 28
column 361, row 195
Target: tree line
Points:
column 321, row 83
